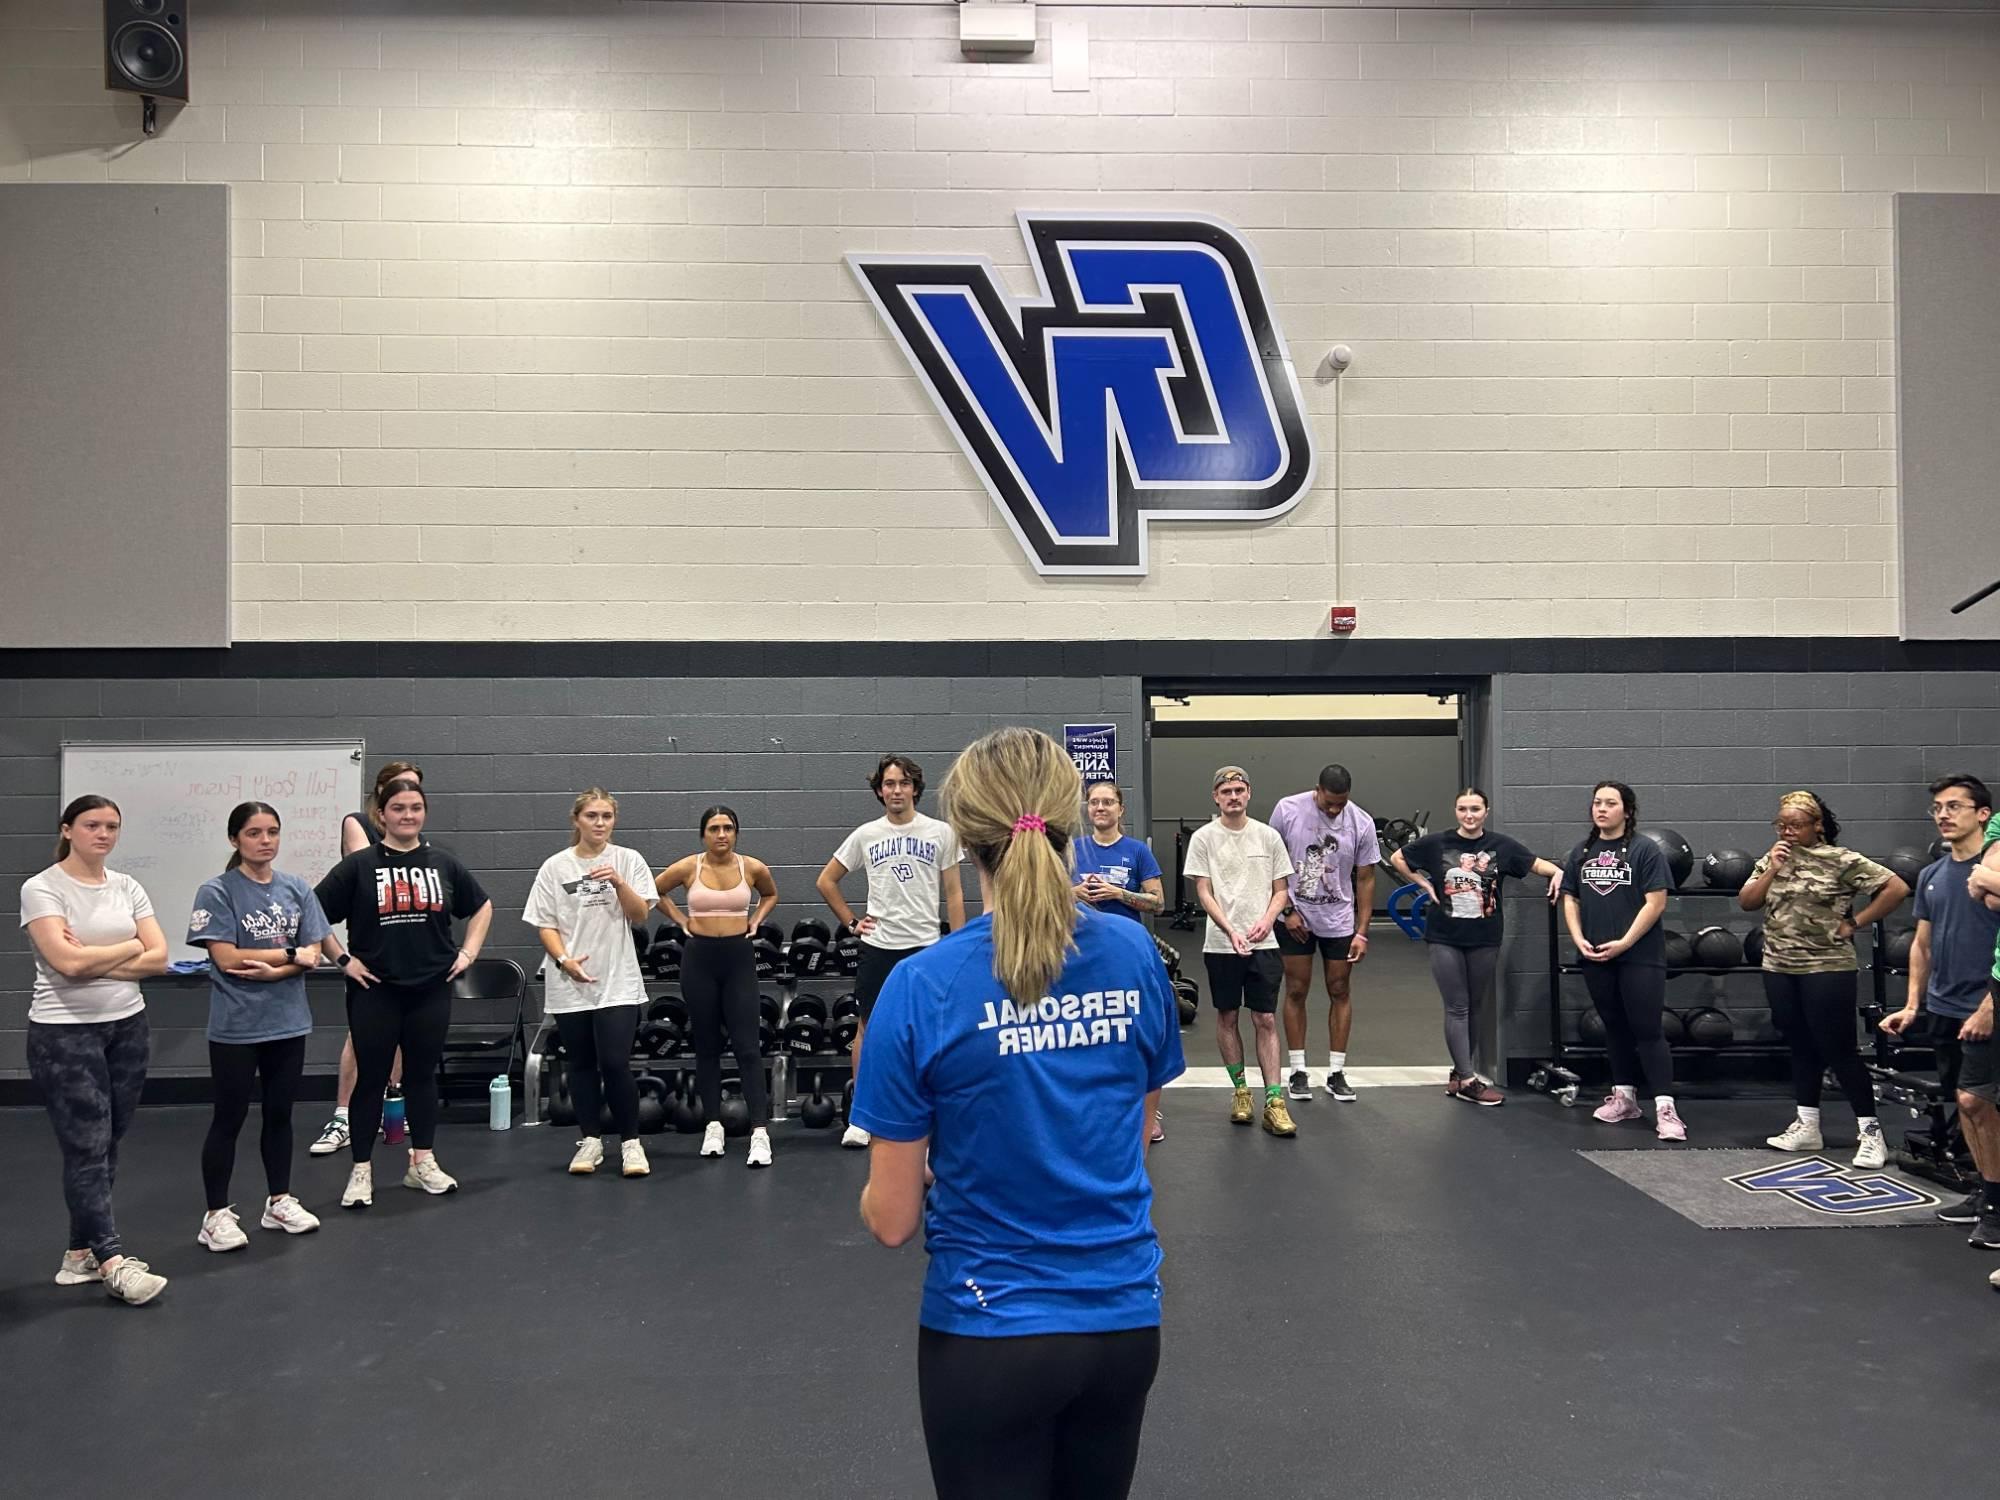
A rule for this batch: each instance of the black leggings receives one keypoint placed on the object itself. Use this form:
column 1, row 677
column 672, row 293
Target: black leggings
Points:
column 719, row 985
column 236, row 1068
column 1815, row 1014
column 1048, row 1417
column 1631, row 998
column 598, row 1044
column 382, row 1018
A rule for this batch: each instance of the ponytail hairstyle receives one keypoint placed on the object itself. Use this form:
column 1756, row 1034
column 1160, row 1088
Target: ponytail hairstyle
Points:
column 1814, row 803
column 1015, row 799
column 77, row 808
column 1631, row 800
column 241, row 814
column 386, row 794
column 589, row 795
column 394, row 770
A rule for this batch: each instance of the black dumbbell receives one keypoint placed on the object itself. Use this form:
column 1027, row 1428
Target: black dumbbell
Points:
column 768, row 958
column 814, row 928
column 843, row 1007
column 807, row 958
column 804, row 1037
column 807, row 1007
column 841, row 1033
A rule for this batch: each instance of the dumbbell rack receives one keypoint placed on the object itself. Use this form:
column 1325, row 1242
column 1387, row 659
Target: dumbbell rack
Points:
column 1561, row 1081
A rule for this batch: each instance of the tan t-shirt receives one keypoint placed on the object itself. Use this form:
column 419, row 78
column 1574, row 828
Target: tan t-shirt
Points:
column 1240, row 865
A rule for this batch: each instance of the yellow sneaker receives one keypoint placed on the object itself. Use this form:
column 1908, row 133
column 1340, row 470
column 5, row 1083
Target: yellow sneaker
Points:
column 1240, row 1112
column 1278, row 1119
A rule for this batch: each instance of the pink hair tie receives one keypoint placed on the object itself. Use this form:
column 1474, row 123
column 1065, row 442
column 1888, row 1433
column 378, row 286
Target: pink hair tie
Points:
column 1029, row 823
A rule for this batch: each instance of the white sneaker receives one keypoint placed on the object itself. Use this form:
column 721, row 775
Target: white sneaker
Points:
column 1798, row 1136
column 427, row 1176
column 221, row 1230
column 360, row 1189
column 1871, row 1150
column 760, row 1148
column 134, row 1282
column 589, row 1156
column 632, row 1159
column 287, row 1213
column 711, row 1139
column 78, row 1268
column 333, row 1136
column 855, row 1138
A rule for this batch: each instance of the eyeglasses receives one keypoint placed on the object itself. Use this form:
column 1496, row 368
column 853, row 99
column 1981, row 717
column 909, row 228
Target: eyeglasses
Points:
column 1950, row 807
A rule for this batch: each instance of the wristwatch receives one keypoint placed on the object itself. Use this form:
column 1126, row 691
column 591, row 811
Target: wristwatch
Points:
column 342, row 960
column 559, row 960
column 291, row 955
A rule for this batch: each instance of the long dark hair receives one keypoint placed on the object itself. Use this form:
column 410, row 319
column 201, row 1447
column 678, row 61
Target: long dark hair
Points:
column 719, row 811
column 1631, row 800
column 242, row 813
column 76, row 809
column 1829, row 825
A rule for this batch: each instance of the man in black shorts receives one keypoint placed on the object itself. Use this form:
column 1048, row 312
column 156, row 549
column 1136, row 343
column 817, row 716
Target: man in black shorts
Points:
column 910, row 859
column 1239, row 867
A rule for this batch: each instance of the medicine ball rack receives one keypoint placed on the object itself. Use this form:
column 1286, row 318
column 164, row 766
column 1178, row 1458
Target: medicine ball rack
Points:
column 1555, row 1075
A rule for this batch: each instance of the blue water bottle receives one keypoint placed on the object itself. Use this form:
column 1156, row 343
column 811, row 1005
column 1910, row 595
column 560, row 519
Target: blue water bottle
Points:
column 500, row 1104
column 395, row 1122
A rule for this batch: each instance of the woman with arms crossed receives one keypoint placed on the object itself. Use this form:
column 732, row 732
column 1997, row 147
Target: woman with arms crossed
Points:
column 1025, row 1053
column 584, row 904
column 727, row 897
column 1806, row 886
column 94, row 938
column 262, row 928
column 399, row 898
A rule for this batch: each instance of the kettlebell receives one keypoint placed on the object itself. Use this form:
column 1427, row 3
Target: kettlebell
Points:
column 652, row 1104
column 735, row 1113
column 562, row 1109
column 686, row 1118
column 817, row 1112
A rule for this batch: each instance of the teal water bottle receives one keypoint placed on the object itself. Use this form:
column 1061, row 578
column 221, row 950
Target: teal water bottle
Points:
column 395, row 1125
column 500, row 1104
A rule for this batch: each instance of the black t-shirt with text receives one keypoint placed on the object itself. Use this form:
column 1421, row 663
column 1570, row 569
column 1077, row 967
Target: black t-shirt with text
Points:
column 398, row 906
column 1466, row 874
column 1610, row 879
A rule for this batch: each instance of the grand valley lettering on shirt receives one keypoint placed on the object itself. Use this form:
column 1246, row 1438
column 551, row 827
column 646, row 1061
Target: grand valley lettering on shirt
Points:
column 1086, row 1020
column 903, row 845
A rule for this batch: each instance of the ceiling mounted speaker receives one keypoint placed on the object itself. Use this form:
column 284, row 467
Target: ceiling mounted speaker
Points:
column 146, row 47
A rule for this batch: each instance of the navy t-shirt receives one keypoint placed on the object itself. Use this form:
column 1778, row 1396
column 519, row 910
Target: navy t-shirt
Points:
column 1040, row 1220
column 1611, row 879
column 1962, row 937
column 1127, row 864
column 234, row 909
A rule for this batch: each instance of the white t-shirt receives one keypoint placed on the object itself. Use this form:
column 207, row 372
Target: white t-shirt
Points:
column 593, row 928
column 904, row 862
column 1240, row 865
column 99, row 915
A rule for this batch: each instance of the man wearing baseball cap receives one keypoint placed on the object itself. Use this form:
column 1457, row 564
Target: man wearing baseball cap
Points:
column 1241, row 870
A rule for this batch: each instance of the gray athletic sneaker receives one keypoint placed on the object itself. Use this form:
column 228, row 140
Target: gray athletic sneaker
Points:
column 134, row 1282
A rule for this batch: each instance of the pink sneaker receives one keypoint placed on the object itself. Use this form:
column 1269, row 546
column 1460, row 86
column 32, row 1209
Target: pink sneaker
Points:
column 1669, row 1122
column 1616, row 1109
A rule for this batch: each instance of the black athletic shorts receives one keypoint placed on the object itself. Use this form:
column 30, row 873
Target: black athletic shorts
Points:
column 1975, row 1067
column 1333, row 949
column 873, row 971
column 1235, row 981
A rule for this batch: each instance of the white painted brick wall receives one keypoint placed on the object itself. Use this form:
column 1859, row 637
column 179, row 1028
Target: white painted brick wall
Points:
column 541, row 329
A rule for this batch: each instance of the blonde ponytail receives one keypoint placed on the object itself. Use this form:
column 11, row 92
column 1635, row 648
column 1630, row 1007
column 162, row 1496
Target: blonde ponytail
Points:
column 1014, row 798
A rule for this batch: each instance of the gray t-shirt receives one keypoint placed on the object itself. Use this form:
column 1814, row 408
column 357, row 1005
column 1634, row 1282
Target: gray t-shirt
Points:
column 99, row 915
column 233, row 908
column 1962, row 937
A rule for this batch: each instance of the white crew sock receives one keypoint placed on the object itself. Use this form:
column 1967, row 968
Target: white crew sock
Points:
column 1663, row 1101
column 1626, row 1092
column 1296, row 1061
column 1808, row 1116
column 1336, row 1062
column 1869, row 1125
column 340, row 1111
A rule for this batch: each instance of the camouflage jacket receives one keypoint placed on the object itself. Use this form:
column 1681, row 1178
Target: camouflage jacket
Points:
column 1816, row 890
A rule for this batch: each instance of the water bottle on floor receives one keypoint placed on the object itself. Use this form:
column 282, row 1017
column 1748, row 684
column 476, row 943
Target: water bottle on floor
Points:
column 395, row 1123
column 500, row 1104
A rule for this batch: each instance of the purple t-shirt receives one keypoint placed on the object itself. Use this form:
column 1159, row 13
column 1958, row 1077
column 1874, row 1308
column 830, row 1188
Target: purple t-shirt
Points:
column 1325, row 854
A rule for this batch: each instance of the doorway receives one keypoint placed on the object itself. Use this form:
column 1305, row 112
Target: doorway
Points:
column 1408, row 751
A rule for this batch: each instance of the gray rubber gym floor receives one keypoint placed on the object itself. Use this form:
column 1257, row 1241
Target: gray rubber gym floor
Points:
column 1411, row 1299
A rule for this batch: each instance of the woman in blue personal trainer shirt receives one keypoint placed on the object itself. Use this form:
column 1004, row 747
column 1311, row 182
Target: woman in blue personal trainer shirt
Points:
column 1025, row 1053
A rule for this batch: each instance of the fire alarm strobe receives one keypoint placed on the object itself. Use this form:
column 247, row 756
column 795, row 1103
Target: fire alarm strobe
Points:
column 1341, row 619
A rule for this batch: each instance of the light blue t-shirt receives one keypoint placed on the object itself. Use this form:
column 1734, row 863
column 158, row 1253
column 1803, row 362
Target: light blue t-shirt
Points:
column 233, row 908
column 1127, row 864
column 1041, row 1217
column 1962, row 937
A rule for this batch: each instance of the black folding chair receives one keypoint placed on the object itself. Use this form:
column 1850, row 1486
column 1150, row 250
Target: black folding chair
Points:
column 488, row 1021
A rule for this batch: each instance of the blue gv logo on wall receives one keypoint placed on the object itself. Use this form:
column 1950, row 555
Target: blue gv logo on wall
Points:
column 1146, row 379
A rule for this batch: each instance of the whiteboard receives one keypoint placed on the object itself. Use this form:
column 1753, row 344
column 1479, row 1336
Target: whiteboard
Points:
column 176, row 799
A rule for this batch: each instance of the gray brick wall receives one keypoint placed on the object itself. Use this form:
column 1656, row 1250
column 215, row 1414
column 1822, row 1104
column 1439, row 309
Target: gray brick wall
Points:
column 1709, row 754
column 505, row 756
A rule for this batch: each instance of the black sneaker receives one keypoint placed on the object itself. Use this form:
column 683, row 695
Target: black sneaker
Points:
column 1298, row 1086
column 1966, row 1212
column 1986, row 1233
column 1338, row 1086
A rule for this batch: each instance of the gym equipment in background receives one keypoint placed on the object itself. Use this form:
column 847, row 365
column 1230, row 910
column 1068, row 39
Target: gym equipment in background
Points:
column 1675, row 849
column 1727, row 869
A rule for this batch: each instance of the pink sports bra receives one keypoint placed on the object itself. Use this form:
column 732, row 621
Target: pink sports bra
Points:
column 708, row 901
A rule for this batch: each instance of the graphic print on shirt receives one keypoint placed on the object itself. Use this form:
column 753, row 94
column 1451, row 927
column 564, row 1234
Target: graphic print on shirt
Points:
column 1315, row 884
column 272, row 925
column 1606, row 871
column 1467, row 891
column 1088, row 1020
column 885, row 853
column 404, row 894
